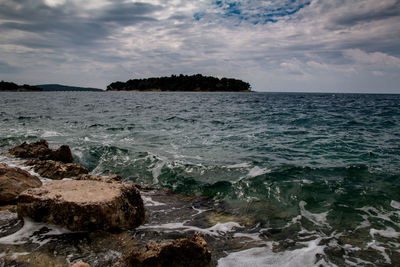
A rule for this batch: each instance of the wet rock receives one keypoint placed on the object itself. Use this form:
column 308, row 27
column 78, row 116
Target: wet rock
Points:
column 9, row 223
column 112, row 178
column 57, row 170
column 80, row 264
column 25, row 259
column 84, row 205
column 40, row 150
column 181, row 252
column 11, row 208
column 13, row 181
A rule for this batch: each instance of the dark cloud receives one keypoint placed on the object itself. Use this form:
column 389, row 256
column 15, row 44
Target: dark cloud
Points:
column 354, row 17
column 6, row 68
column 64, row 26
column 128, row 13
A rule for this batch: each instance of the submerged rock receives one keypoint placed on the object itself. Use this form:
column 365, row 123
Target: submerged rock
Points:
column 41, row 150
column 84, row 205
column 181, row 252
column 112, row 178
column 57, row 170
column 9, row 223
column 13, row 181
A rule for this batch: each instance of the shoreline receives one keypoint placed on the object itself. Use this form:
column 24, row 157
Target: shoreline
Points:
column 18, row 242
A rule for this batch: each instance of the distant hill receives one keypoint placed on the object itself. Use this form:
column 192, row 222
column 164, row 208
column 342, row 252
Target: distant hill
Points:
column 182, row 83
column 59, row 87
column 13, row 87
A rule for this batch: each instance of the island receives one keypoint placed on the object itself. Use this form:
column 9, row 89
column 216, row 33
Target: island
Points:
column 13, row 87
column 60, row 87
column 182, row 83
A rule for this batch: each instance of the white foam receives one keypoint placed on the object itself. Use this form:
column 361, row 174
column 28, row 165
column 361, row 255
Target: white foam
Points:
column 45, row 180
column 359, row 262
column 395, row 204
column 148, row 201
column 350, row 263
column 156, row 171
column 389, row 233
column 293, row 221
column 15, row 255
column 365, row 223
column 224, row 227
column 78, row 153
column 255, row 236
column 304, row 181
column 381, row 249
column 384, row 215
column 316, row 218
column 50, row 134
column 257, row 171
column 216, row 230
column 18, row 163
column 199, row 211
column 239, row 165
column 26, row 233
column 264, row 256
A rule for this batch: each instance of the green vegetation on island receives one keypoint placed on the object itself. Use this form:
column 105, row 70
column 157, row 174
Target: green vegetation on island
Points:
column 183, row 83
column 13, row 87
column 59, row 87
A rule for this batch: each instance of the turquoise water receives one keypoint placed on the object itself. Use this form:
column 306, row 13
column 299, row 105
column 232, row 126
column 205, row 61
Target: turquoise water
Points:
column 324, row 166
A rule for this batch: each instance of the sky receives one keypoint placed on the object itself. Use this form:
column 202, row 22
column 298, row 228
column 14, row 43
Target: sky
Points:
column 280, row 46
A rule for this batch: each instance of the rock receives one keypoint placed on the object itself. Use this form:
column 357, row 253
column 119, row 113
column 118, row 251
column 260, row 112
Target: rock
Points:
column 57, row 170
column 84, row 205
column 80, row 264
column 14, row 257
column 41, row 150
column 13, row 181
column 113, row 178
column 181, row 252
column 9, row 223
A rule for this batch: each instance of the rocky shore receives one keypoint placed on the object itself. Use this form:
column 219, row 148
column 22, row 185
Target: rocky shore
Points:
column 97, row 209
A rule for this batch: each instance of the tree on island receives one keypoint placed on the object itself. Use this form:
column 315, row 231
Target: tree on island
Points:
column 182, row 82
column 8, row 86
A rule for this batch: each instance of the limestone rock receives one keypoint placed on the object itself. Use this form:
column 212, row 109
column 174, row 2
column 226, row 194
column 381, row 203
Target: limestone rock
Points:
column 41, row 150
column 181, row 252
column 113, row 178
column 57, row 170
column 84, row 205
column 13, row 181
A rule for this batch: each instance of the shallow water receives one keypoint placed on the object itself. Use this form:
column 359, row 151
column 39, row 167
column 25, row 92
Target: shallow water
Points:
column 309, row 178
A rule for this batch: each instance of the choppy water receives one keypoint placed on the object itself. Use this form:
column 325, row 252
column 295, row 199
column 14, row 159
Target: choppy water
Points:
column 307, row 179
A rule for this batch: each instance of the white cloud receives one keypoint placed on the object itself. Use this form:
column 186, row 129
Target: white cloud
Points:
column 307, row 45
column 376, row 59
column 54, row 3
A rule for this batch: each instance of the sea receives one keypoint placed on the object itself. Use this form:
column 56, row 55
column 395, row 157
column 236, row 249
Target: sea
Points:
column 289, row 179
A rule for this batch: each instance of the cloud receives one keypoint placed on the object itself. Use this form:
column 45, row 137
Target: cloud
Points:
column 63, row 23
column 367, row 11
column 377, row 59
column 7, row 68
column 287, row 45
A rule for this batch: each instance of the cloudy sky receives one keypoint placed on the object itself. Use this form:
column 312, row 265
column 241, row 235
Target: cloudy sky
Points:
column 276, row 45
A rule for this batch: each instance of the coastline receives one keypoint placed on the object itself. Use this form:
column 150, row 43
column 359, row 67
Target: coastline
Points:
column 188, row 91
column 19, row 234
